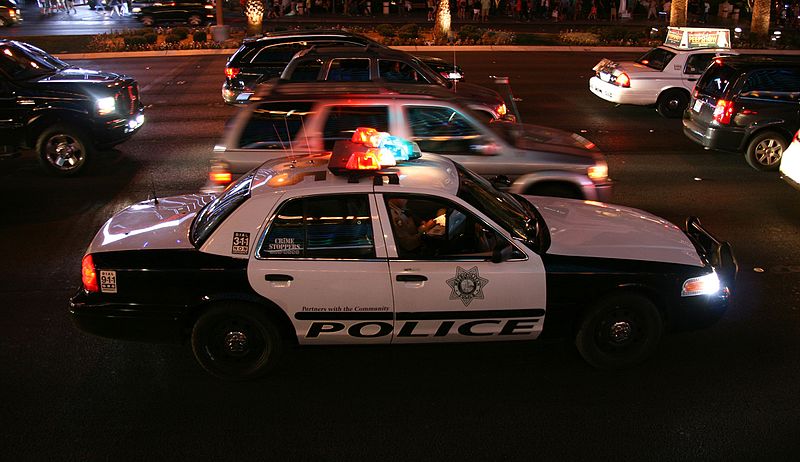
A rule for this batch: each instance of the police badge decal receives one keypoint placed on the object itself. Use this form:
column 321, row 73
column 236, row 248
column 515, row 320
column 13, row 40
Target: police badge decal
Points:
column 467, row 285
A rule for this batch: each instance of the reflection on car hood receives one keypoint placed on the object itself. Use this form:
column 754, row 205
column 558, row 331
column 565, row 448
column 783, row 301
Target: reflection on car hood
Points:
column 594, row 229
column 72, row 74
column 146, row 225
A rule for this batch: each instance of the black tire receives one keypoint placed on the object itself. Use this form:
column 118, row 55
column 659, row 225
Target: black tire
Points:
column 236, row 341
column 564, row 190
column 63, row 150
column 148, row 21
column 765, row 151
column 195, row 20
column 672, row 103
column 621, row 331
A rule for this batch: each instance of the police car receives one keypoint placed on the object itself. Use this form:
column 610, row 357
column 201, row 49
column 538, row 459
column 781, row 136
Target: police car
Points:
column 664, row 76
column 376, row 243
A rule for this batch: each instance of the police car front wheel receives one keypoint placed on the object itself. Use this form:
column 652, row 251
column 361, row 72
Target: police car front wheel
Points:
column 620, row 331
column 236, row 341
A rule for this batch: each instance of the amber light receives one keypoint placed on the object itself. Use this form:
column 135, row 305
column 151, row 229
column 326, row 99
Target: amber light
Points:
column 89, row 275
column 220, row 177
column 232, row 72
column 366, row 136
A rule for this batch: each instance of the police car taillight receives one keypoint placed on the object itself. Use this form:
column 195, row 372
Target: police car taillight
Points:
column 89, row 275
column 623, row 80
column 232, row 72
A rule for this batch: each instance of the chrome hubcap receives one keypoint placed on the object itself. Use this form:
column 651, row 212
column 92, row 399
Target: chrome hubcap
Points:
column 769, row 152
column 236, row 343
column 64, row 152
column 620, row 332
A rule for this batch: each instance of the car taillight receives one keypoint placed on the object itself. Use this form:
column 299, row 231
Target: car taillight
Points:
column 89, row 275
column 723, row 111
column 232, row 72
column 623, row 80
column 796, row 137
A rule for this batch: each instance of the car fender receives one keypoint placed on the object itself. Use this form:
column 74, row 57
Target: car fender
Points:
column 524, row 182
column 45, row 117
column 776, row 125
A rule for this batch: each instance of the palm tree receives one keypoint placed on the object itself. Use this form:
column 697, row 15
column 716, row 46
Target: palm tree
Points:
column 441, row 24
column 254, row 11
column 677, row 13
column 759, row 25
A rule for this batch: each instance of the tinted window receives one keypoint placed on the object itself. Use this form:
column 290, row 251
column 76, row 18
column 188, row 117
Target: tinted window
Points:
column 443, row 130
column 343, row 121
column 277, row 54
column 306, row 71
column 657, row 58
column 349, row 70
column 220, row 208
column 773, row 84
column 337, row 226
column 397, row 71
column 717, row 80
column 428, row 228
column 274, row 125
column 696, row 64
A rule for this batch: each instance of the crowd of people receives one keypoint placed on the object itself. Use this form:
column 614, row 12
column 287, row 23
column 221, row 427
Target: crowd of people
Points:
column 108, row 8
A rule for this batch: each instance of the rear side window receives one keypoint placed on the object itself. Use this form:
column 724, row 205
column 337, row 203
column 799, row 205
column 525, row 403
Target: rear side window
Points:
column 657, row 58
column 717, row 80
column 343, row 121
column 773, row 84
column 274, row 125
column 349, row 70
column 306, row 71
column 330, row 226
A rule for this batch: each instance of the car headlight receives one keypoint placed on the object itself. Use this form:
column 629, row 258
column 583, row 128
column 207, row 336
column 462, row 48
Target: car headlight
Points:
column 136, row 9
column 106, row 105
column 703, row 285
column 598, row 172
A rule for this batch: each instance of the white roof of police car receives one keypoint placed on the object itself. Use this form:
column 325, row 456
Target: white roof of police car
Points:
column 430, row 172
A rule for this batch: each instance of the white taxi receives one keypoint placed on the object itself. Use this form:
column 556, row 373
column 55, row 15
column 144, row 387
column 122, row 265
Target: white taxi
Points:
column 664, row 76
column 790, row 162
column 379, row 244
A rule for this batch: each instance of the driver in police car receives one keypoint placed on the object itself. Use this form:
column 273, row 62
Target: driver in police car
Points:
column 407, row 233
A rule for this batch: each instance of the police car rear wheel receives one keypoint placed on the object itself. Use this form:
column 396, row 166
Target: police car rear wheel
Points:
column 619, row 332
column 236, row 341
column 672, row 103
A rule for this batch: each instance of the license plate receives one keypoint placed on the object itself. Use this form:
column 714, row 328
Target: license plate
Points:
column 108, row 282
column 697, row 105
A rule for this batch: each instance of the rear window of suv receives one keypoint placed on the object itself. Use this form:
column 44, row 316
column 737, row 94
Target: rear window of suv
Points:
column 716, row 81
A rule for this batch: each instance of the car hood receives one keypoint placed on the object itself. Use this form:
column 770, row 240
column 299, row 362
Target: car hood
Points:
column 544, row 139
column 150, row 225
column 75, row 74
column 594, row 229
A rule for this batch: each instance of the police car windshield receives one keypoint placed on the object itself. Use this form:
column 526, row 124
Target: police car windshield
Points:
column 501, row 207
column 220, row 208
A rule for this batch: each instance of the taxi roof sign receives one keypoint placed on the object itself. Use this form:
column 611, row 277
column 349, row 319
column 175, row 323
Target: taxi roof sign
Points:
column 693, row 38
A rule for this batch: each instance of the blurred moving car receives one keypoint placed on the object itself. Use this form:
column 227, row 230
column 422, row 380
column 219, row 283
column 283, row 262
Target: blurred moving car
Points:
column 376, row 243
column 266, row 57
column 790, row 165
column 61, row 111
column 664, row 76
column 192, row 12
column 748, row 104
column 294, row 118
column 10, row 13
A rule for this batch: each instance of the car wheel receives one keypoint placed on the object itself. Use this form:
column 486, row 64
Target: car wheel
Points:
column 236, row 341
column 765, row 151
column 195, row 20
column 621, row 331
column 63, row 150
column 566, row 191
column 672, row 103
column 148, row 21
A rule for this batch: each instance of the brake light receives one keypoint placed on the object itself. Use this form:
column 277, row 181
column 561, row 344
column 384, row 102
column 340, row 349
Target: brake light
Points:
column 623, row 80
column 232, row 72
column 723, row 111
column 89, row 275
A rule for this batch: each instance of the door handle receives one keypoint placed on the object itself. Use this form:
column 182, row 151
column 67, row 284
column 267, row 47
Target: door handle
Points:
column 411, row 278
column 278, row 277
column 692, row 80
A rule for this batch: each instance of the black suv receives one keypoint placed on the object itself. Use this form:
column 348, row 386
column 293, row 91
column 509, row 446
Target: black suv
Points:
column 747, row 104
column 192, row 12
column 265, row 58
column 62, row 111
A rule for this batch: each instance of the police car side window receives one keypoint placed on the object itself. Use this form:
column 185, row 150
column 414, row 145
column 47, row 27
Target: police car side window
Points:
column 343, row 120
column 274, row 125
column 697, row 63
column 331, row 226
column 443, row 130
column 429, row 228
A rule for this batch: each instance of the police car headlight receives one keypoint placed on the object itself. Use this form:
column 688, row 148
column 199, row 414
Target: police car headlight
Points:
column 703, row 285
column 106, row 105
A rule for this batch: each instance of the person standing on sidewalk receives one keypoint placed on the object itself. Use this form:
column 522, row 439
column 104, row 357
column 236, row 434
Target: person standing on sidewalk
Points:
column 70, row 4
column 485, row 5
column 651, row 10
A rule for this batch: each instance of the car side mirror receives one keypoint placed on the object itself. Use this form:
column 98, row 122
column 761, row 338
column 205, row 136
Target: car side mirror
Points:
column 502, row 252
column 501, row 181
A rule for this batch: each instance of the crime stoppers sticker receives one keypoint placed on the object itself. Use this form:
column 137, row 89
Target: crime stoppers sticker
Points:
column 108, row 282
column 241, row 243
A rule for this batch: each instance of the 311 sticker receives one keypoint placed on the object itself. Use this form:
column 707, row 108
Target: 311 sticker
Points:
column 241, row 243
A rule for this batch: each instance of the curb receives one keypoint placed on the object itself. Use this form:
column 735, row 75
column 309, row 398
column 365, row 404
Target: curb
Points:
column 480, row 48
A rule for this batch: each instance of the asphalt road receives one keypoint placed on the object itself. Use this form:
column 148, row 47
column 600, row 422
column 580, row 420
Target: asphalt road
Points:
column 724, row 393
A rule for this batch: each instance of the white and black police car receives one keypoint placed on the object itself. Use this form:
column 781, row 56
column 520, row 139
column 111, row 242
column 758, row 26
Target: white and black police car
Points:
column 376, row 243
